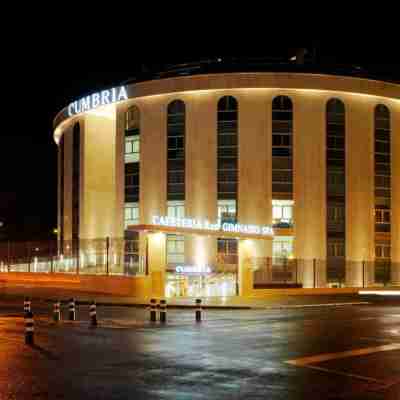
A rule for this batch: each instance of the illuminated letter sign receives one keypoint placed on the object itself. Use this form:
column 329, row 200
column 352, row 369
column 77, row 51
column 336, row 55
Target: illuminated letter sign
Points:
column 190, row 223
column 99, row 99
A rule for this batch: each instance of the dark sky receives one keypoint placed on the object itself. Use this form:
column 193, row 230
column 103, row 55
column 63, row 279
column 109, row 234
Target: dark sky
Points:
column 28, row 159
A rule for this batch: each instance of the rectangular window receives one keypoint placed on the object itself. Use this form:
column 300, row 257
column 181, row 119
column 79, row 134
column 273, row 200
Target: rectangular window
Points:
column 227, row 210
column 176, row 209
column 175, row 250
column 131, row 214
column 382, row 250
column 132, row 149
column 282, row 212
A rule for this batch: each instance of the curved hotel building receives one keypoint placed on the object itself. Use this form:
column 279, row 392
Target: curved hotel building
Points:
column 223, row 183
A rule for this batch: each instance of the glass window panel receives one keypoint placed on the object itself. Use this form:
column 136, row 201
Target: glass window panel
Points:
column 277, row 212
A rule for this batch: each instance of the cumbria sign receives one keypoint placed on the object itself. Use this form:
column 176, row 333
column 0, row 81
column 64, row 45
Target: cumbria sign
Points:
column 98, row 99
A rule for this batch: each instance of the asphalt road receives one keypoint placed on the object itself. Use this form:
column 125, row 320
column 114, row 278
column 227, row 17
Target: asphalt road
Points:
column 350, row 352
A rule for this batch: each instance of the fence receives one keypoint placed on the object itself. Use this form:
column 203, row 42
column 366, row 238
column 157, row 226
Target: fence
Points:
column 116, row 256
column 106, row 256
column 270, row 271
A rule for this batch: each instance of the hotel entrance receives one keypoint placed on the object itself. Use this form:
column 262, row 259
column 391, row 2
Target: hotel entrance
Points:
column 201, row 285
column 190, row 274
column 193, row 258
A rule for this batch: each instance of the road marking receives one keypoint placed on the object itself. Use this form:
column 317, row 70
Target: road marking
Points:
column 305, row 361
column 316, row 305
column 347, row 375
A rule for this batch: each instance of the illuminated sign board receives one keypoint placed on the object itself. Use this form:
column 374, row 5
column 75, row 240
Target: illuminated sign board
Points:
column 98, row 99
column 195, row 224
column 192, row 269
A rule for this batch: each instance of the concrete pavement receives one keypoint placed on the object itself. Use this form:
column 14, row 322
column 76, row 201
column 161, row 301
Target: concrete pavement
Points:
column 271, row 301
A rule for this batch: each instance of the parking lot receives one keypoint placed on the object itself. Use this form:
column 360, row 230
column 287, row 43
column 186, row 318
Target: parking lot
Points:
column 342, row 352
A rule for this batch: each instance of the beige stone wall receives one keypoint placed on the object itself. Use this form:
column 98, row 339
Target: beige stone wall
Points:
column 309, row 164
column 360, row 200
column 153, row 160
column 201, row 171
column 98, row 191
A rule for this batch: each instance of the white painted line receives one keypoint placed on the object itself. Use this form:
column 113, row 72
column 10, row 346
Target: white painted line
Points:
column 380, row 292
column 305, row 361
column 332, row 371
column 317, row 305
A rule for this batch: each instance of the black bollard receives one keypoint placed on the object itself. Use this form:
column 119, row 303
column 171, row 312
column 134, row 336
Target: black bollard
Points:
column 27, row 305
column 29, row 328
column 198, row 310
column 72, row 313
column 163, row 311
column 153, row 310
column 57, row 312
column 93, row 314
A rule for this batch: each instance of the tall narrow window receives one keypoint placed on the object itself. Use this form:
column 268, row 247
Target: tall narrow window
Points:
column 132, row 188
column 227, row 148
column 176, row 128
column 336, row 190
column 282, row 148
column 61, row 194
column 132, row 155
column 76, row 172
column 227, row 174
column 383, row 189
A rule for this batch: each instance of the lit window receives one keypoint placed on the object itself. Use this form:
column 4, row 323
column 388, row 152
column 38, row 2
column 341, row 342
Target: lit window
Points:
column 227, row 210
column 132, row 149
column 282, row 247
column 176, row 209
column 131, row 214
column 282, row 212
column 175, row 249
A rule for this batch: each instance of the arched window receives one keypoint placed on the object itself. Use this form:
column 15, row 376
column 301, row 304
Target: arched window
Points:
column 132, row 162
column 176, row 129
column 382, row 155
column 282, row 148
column 76, row 189
column 227, row 148
column 336, row 190
column 132, row 121
column 383, row 188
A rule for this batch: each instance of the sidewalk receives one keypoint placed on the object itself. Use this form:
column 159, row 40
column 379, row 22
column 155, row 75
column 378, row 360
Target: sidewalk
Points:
column 270, row 302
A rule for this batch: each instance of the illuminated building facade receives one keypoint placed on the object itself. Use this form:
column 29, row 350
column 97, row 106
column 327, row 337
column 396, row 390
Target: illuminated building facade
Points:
column 317, row 157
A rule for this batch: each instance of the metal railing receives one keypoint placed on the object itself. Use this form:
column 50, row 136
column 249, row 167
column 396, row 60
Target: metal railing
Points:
column 270, row 272
column 106, row 256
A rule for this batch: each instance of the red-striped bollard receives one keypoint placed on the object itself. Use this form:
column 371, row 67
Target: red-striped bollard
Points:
column 93, row 314
column 57, row 312
column 198, row 310
column 27, row 305
column 71, row 308
column 29, row 328
column 163, row 311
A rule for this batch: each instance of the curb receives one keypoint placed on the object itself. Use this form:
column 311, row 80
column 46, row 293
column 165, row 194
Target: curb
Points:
column 216, row 307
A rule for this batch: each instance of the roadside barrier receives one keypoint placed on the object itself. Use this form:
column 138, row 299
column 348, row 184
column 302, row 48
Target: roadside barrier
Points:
column 163, row 311
column 93, row 314
column 72, row 313
column 27, row 305
column 29, row 328
column 153, row 310
column 198, row 310
column 57, row 312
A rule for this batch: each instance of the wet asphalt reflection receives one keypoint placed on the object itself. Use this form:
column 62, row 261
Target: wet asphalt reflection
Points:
column 230, row 355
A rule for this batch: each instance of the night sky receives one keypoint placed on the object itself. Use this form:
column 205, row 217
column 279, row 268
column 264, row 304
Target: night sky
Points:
column 28, row 160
